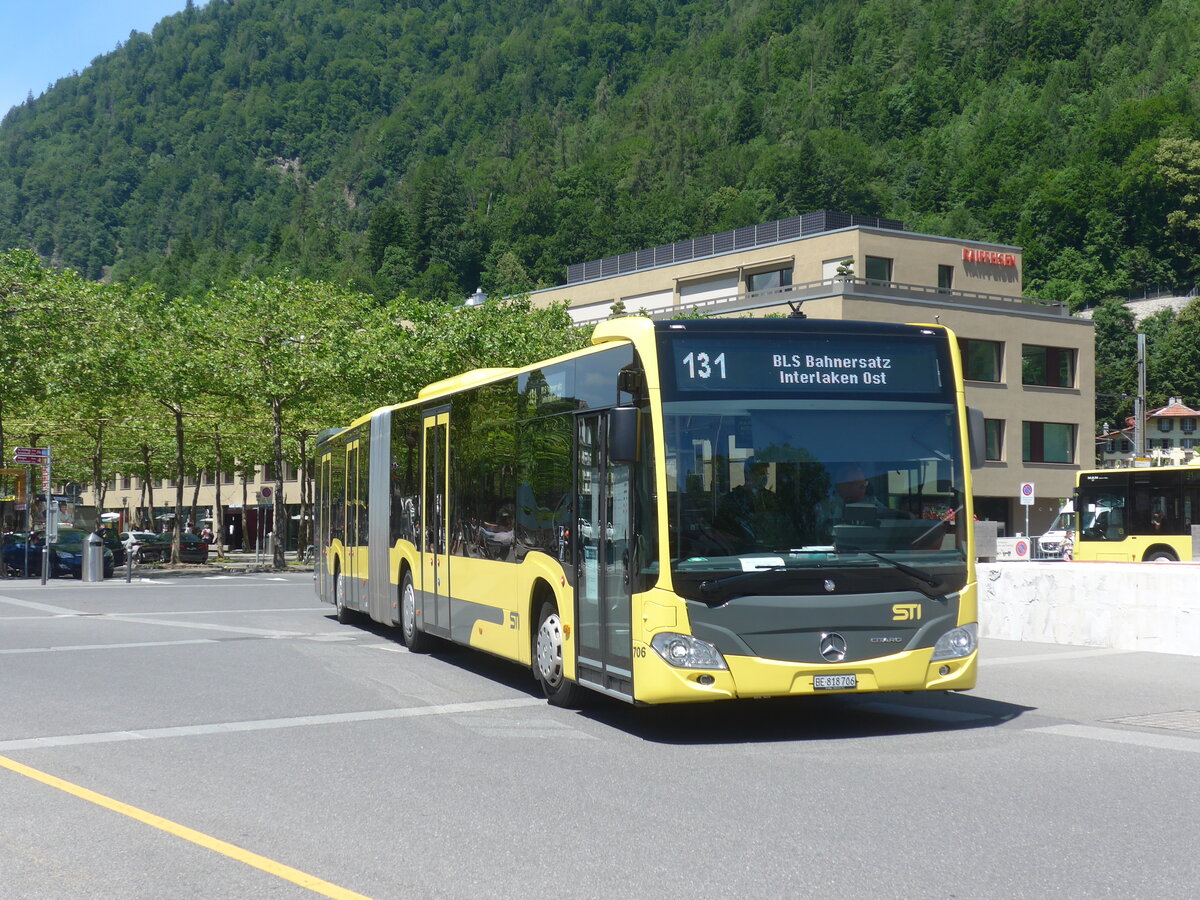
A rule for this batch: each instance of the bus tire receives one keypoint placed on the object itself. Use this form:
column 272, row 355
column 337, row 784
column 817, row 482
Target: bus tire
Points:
column 1159, row 554
column 548, row 660
column 345, row 615
column 416, row 640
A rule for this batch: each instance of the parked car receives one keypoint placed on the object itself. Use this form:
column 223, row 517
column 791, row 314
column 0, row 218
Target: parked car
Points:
column 66, row 554
column 15, row 558
column 158, row 548
column 132, row 541
column 113, row 543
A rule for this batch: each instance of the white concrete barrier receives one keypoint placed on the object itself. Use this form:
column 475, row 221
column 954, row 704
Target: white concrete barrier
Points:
column 1126, row 606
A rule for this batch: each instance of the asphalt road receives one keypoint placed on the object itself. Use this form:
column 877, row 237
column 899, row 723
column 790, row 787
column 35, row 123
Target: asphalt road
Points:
column 225, row 737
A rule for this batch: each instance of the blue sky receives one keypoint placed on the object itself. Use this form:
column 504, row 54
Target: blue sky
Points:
column 44, row 40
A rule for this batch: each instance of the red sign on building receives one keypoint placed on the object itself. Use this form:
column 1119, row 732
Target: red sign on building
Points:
column 988, row 256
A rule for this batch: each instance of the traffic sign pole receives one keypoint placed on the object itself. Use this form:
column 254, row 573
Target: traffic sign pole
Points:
column 1027, row 496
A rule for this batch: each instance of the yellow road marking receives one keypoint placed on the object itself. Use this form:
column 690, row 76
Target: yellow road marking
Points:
column 269, row 866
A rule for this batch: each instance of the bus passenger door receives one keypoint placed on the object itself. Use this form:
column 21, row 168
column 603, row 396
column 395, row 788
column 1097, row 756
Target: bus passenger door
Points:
column 435, row 573
column 355, row 567
column 603, row 605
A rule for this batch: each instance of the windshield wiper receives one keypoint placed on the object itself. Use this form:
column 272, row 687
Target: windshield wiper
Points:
column 712, row 584
column 921, row 574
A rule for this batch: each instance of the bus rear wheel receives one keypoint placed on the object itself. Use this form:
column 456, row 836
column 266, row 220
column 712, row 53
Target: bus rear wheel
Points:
column 345, row 615
column 548, row 660
column 415, row 640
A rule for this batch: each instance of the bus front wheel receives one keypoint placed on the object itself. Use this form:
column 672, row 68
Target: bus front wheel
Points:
column 1161, row 556
column 415, row 640
column 548, row 659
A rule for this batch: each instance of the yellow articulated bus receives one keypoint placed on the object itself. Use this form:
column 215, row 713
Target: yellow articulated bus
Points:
column 1137, row 515
column 684, row 511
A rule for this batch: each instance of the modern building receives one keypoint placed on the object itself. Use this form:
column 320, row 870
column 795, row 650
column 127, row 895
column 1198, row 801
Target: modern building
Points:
column 1030, row 364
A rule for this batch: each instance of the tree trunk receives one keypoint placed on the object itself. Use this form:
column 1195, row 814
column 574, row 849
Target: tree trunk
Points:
column 98, row 472
column 177, row 531
column 195, row 499
column 245, row 513
column 148, row 482
column 218, row 509
column 280, row 512
column 304, row 532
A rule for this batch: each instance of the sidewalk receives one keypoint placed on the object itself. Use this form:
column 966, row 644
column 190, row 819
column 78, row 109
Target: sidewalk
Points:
column 234, row 562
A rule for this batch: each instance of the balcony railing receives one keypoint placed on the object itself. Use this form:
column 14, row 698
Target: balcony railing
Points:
column 861, row 288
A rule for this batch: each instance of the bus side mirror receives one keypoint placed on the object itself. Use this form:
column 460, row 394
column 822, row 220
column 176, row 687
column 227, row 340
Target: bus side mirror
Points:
column 976, row 437
column 623, row 434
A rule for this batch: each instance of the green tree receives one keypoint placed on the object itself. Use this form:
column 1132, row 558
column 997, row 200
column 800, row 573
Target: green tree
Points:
column 280, row 344
column 1116, row 361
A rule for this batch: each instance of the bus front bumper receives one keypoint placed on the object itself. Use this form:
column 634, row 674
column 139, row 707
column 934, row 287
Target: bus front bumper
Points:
column 750, row 677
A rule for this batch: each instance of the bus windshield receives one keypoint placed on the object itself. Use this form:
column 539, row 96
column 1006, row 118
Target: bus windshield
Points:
column 766, row 481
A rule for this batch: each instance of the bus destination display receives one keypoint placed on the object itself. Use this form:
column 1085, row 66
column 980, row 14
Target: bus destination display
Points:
column 736, row 363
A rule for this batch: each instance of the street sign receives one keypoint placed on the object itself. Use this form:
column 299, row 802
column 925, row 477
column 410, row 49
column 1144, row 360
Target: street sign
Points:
column 265, row 493
column 1027, row 493
column 31, row 456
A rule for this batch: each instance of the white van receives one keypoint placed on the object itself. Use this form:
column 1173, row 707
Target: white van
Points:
column 1050, row 543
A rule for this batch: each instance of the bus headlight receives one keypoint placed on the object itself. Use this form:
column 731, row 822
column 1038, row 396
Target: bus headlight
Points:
column 687, row 652
column 956, row 643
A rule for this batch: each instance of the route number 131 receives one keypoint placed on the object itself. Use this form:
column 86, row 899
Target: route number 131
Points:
column 700, row 366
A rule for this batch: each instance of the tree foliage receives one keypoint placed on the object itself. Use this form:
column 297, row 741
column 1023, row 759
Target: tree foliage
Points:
column 155, row 386
column 426, row 148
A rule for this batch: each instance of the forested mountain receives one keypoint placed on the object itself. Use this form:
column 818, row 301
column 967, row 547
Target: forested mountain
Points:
column 428, row 147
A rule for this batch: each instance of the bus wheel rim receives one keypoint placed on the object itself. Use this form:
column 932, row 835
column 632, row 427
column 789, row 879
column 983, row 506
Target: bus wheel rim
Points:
column 549, row 650
column 408, row 609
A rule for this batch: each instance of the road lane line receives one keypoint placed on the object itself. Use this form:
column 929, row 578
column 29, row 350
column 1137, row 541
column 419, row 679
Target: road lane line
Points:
column 270, row 866
column 41, row 607
column 66, row 648
column 370, row 715
column 1115, row 736
column 205, row 626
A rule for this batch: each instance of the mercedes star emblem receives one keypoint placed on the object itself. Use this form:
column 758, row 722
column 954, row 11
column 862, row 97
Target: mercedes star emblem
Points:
column 829, row 585
column 833, row 646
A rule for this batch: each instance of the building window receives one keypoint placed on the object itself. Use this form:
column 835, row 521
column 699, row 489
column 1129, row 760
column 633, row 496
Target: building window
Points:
column 945, row 278
column 1126, row 446
column 1164, row 425
column 1048, row 442
column 981, row 359
column 993, row 430
column 126, row 482
column 1048, row 366
column 289, row 471
column 268, row 472
column 226, row 478
column 764, row 281
column 879, row 268
column 1188, row 443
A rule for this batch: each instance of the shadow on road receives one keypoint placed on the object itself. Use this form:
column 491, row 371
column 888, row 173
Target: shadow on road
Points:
column 812, row 718
column 822, row 718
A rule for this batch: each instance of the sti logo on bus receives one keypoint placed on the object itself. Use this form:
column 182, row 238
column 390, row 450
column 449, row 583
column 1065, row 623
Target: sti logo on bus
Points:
column 906, row 612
